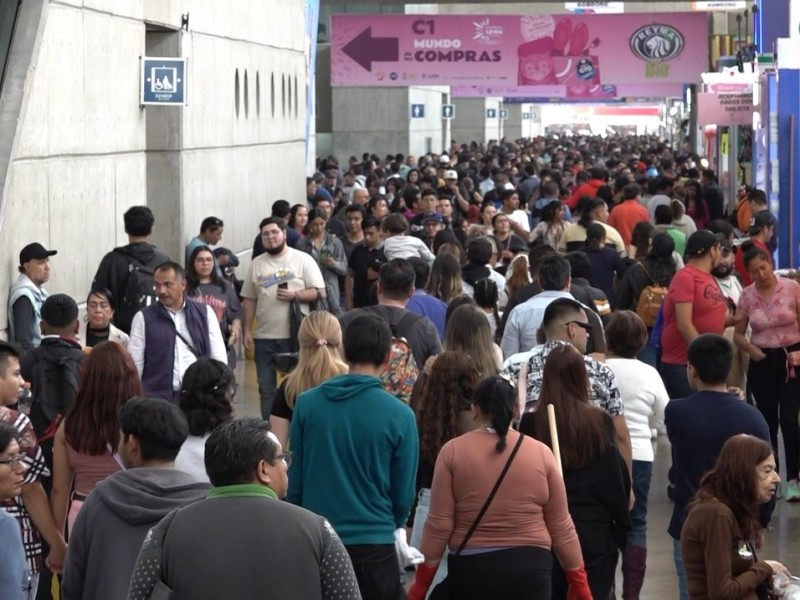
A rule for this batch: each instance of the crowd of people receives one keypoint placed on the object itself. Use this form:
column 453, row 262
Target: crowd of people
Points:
column 469, row 356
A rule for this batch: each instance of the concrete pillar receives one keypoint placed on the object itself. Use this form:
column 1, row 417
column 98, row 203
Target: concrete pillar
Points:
column 512, row 127
column 470, row 122
column 379, row 120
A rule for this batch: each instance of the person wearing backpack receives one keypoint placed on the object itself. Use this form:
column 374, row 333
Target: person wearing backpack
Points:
column 411, row 333
column 355, row 452
column 127, row 271
column 52, row 370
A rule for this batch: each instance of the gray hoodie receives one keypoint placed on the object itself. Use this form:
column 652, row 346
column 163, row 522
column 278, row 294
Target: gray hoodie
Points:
column 112, row 524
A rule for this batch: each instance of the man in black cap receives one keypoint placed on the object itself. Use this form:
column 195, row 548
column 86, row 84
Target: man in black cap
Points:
column 27, row 295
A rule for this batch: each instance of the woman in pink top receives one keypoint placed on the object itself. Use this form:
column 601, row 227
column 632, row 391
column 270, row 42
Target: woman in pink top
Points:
column 85, row 447
column 771, row 307
column 509, row 554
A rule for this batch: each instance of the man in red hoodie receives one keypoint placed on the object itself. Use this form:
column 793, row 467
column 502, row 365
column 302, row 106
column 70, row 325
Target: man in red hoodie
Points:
column 597, row 179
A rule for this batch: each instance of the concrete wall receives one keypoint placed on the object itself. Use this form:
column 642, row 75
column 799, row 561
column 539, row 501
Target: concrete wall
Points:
column 369, row 119
column 472, row 124
column 82, row 150
column 427, row 134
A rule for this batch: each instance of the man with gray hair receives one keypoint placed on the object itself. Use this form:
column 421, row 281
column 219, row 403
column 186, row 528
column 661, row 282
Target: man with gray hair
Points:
column 242, row 516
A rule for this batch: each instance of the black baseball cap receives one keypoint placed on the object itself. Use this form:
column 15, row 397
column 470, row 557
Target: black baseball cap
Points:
column 759, row 221
column 700, row 242
column 35, row 251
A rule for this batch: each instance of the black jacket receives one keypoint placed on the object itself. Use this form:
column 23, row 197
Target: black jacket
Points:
column 112, row 274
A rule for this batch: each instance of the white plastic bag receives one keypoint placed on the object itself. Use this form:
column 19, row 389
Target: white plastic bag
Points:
column 406, row 555
column 786, row 586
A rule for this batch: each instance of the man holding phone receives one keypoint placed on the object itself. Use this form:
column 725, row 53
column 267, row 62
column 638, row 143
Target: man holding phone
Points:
column 273, row 281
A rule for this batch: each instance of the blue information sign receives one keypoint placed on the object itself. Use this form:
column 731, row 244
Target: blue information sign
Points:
column 491, row 113
column 163, row 81
column 417, row 111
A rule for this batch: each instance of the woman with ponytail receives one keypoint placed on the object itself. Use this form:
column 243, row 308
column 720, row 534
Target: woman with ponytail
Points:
column 498, row 503
column 207, row 396
column 595, row 475
column 319, row 359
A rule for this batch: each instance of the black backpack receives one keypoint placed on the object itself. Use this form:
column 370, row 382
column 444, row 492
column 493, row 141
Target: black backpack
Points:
column 54, row 379
column 139, row 291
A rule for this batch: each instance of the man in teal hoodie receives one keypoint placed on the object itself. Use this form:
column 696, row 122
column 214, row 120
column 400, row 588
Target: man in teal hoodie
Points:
column 355, row 458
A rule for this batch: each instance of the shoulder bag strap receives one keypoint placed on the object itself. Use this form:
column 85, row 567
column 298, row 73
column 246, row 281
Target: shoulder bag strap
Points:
column 486, row 504
column 647, row 273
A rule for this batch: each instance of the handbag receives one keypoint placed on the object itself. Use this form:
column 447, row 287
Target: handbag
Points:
column 443, row 590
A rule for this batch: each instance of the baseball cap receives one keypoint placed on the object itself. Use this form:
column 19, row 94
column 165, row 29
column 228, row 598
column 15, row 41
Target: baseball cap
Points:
column 450, row 174
column 444, row 159
column 723, row 241
column 759, row 221
column 434, row 216
column 700, row 242
column 35, row 251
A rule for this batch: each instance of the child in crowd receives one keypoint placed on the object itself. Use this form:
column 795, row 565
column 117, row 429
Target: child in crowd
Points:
column 399, row 245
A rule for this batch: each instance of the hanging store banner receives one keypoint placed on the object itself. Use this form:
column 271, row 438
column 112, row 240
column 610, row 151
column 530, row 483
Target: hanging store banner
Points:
column 527, row 50
column 731, row 107
column 570, row 93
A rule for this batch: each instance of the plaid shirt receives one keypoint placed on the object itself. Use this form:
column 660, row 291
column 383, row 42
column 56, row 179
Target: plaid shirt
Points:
column 37, row 469
column 603, row 390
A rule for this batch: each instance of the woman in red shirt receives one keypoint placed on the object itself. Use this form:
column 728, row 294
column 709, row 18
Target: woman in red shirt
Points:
column 760, row 232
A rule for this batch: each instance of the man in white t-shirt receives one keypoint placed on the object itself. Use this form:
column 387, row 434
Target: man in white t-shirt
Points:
column 274, row 279
column 518, row 219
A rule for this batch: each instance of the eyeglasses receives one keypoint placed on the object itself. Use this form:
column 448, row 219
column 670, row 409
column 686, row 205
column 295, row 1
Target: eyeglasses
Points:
column 587, row 327
column 15, row 461
column 286, row 457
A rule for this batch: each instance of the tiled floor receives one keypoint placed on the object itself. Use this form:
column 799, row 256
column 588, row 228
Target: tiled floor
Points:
column 660, row 582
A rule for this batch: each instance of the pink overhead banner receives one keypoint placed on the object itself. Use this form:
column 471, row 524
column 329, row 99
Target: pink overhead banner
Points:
column 526, row 50
column 571, row 92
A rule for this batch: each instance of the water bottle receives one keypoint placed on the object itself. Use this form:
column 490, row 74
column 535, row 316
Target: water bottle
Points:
column 24, row 401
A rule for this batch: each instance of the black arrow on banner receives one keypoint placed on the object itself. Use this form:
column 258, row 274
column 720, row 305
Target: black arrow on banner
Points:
column 365, row 49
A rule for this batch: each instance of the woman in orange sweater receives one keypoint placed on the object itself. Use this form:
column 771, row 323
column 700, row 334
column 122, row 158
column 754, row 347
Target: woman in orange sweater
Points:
column 508, row 554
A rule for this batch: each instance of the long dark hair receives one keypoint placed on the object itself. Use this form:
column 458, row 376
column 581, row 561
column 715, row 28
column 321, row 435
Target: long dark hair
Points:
column 659, row 262
column 204, row 395
column 496, row 397
column 447, row 391
column 728, row 481
column 581, row 427
column 193, row 279
column 108, row 379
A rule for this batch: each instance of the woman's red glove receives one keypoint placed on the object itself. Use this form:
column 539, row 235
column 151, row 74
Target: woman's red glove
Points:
column 422, row 582
column 578, row 584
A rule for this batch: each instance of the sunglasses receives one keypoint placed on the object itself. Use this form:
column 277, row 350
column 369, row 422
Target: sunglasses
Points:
column 587, row 327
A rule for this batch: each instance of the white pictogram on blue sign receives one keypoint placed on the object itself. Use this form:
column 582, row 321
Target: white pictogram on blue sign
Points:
column 417, row 111
column 163, row 81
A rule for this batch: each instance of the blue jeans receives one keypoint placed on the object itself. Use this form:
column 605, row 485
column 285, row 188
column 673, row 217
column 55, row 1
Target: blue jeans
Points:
column 675, row 380
column 420, row 516
column 265, row 373
column 683, row 590
column 642, row 473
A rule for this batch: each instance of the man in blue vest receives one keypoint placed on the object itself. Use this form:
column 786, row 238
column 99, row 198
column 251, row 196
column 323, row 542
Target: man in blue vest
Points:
column 168, row 336
column 27, row 295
